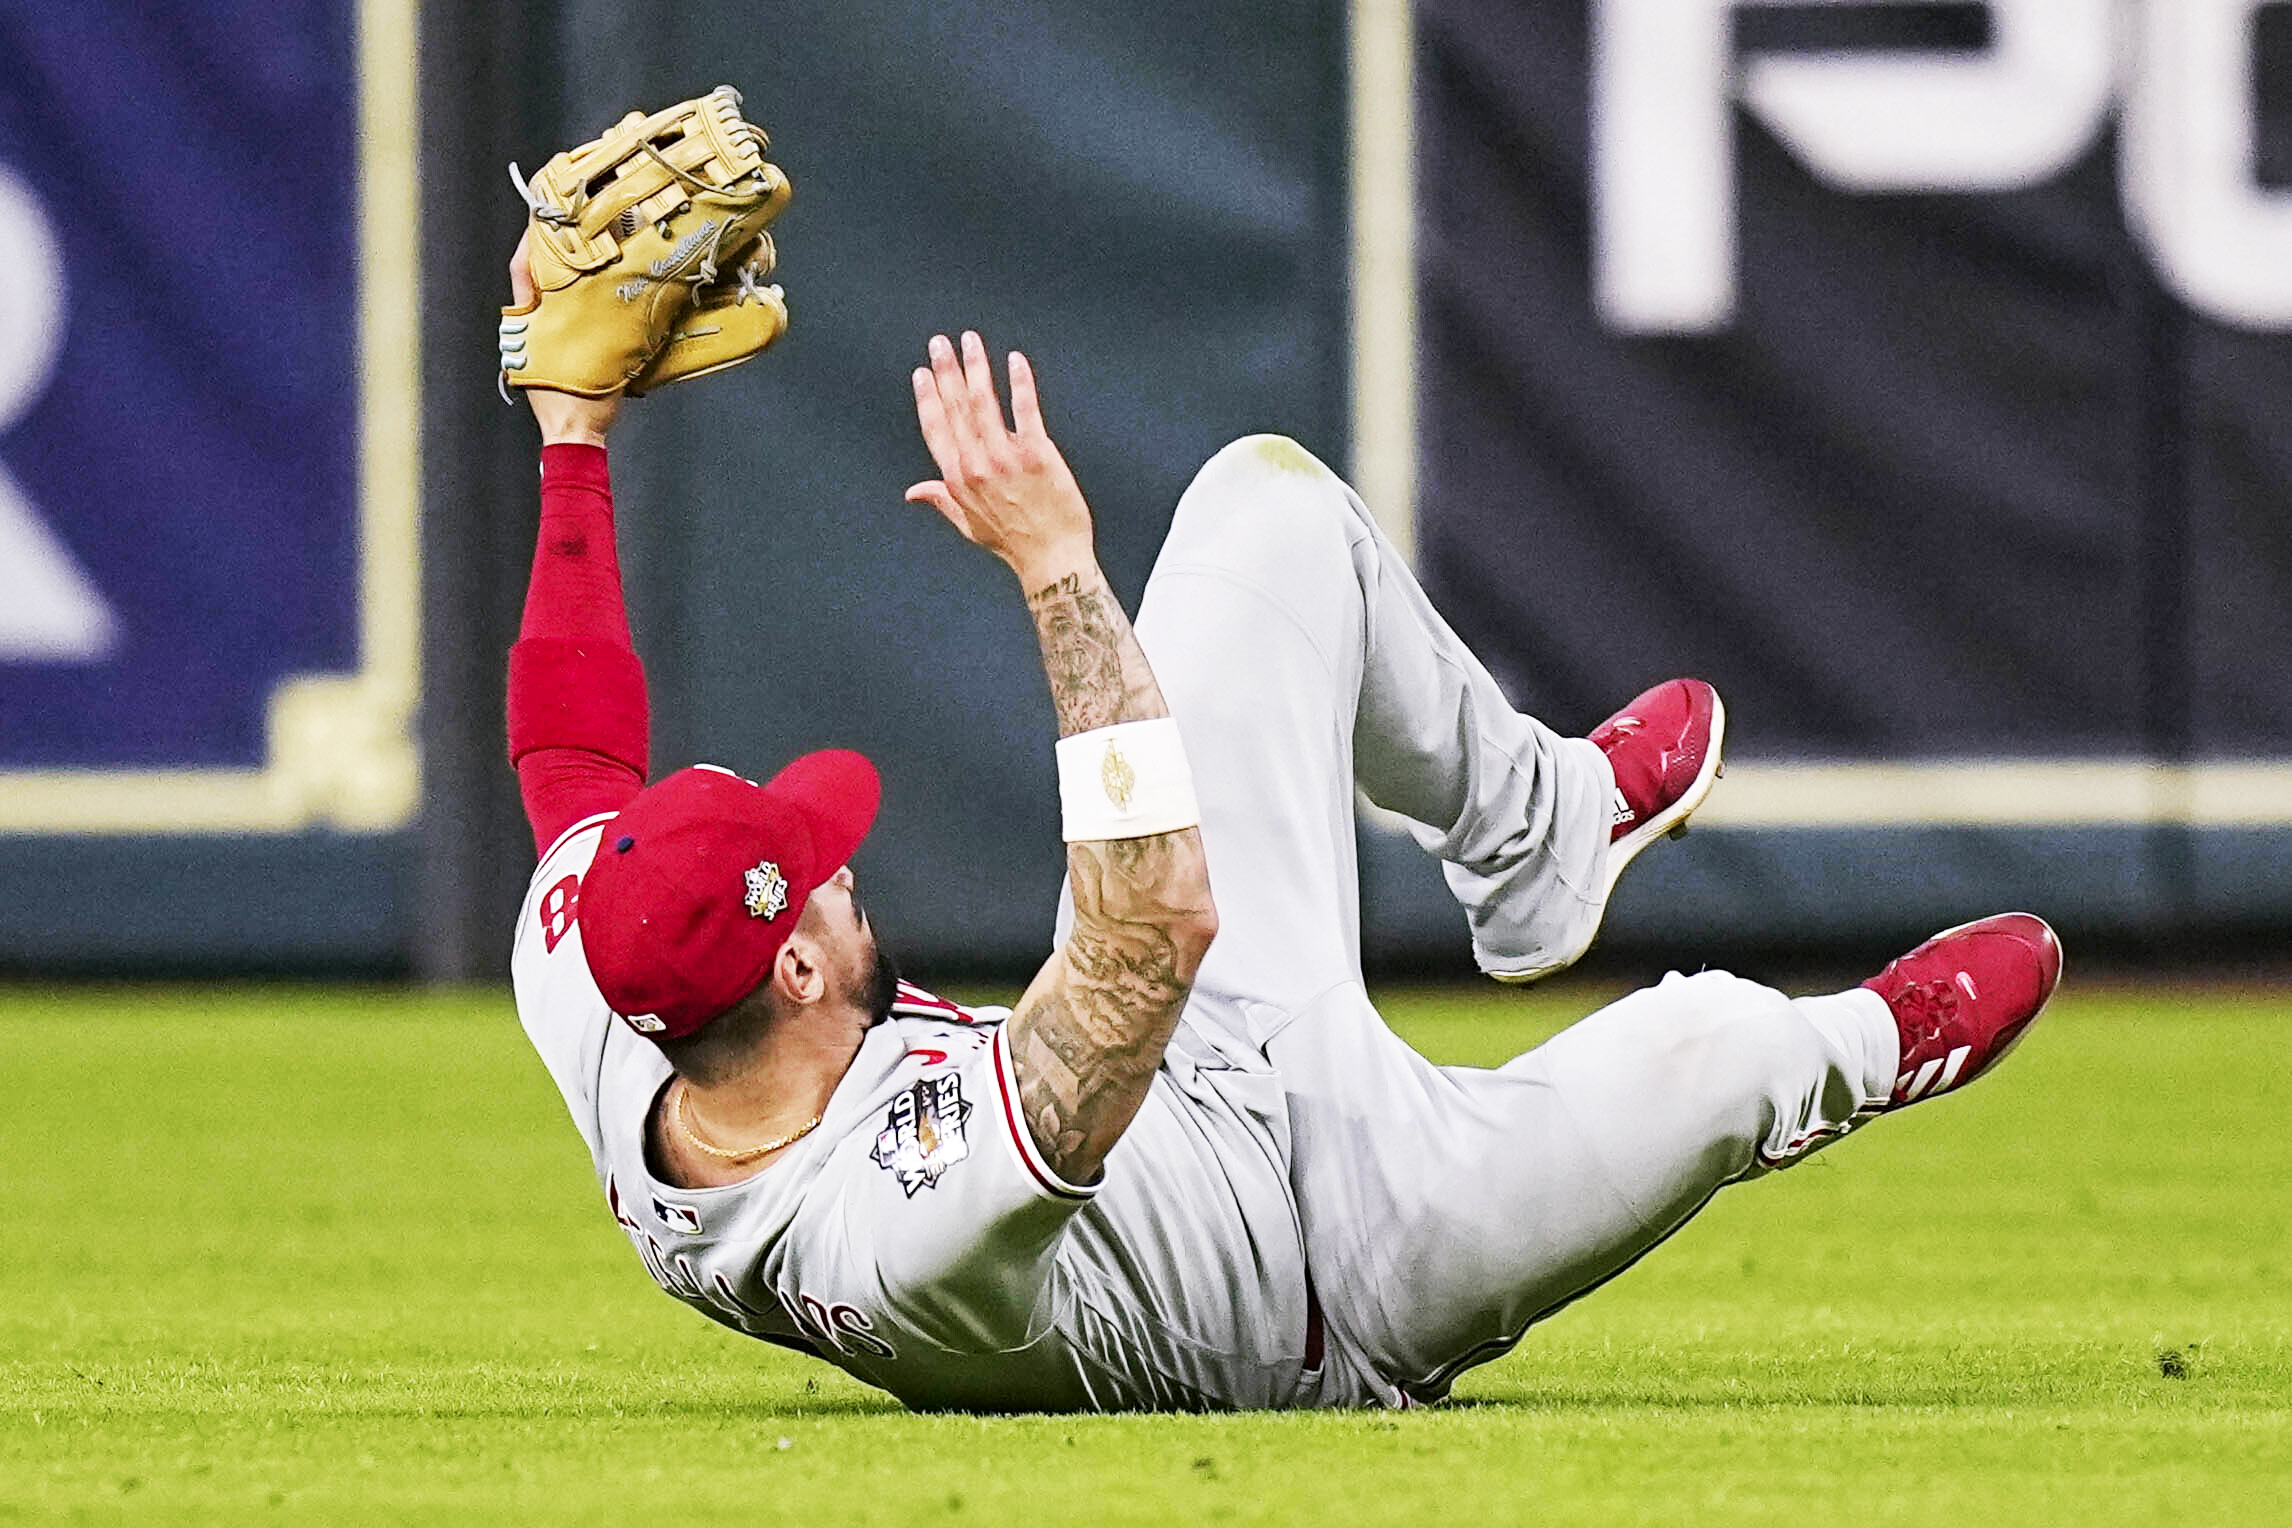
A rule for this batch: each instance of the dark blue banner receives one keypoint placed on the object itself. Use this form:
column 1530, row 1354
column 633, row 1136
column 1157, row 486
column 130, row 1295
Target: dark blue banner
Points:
column 178, row 414
column 1916, row 373
column 208, row 581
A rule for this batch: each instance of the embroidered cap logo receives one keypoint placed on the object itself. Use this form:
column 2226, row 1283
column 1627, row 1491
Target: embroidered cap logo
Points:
column 767, row 891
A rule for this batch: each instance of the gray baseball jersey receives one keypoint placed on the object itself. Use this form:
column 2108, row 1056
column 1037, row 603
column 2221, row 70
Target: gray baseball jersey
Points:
column 918, row 1239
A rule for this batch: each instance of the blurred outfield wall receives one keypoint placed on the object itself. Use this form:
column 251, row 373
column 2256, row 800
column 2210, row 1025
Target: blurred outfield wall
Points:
column 1918, row 373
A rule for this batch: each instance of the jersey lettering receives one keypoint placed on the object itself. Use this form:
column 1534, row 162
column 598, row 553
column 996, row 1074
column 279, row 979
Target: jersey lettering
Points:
column 687, row 1285
column 816, row 1317
column 649, row 1251
column 680, row 1280
column 853, row 1323
column 560, row 910
column 751, row 1319
column 679, row 1277
column 843, row 1327
column 799, row 1310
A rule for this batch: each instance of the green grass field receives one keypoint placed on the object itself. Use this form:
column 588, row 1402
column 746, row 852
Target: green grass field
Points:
column 335, row 1256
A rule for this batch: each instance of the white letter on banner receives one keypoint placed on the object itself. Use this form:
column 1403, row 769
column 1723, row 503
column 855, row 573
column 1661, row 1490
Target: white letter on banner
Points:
column 48, row 610
column 1663, row 166
column 2191, row 127
column 1663, row 157
column 2011, row 117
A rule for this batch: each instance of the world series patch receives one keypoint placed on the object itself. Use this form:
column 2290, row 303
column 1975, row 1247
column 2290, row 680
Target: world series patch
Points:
column 923, row 1135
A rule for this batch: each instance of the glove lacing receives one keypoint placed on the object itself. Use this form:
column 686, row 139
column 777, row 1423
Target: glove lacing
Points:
column 727, row 103
column 547, row 212
column 560, row 217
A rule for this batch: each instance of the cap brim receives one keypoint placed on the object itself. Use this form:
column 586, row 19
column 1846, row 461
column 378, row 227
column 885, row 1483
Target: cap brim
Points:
column 837, row 791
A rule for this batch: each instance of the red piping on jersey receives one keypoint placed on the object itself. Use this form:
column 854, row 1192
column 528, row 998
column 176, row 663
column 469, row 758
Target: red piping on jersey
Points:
column 586, row 822
column 1018, row 1128
column 912, row 998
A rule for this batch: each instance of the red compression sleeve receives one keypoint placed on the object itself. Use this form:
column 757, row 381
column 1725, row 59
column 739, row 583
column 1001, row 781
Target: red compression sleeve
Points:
column 578, row 723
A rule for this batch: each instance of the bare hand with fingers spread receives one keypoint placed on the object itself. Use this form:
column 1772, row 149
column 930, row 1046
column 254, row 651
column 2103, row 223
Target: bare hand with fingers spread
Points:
column 1088, row 1034
column 1008, row 491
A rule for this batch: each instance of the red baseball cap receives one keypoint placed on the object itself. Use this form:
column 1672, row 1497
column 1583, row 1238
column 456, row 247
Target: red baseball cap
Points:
column 701, row 878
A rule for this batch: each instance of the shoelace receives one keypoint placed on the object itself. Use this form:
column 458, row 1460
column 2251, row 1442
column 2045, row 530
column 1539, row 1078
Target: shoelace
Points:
column 1923, row 1010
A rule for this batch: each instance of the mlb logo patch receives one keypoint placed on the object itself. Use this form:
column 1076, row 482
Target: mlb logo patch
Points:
column 677, row 1217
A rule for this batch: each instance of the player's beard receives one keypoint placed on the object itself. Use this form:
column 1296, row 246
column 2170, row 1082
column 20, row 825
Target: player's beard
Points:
column 882, row 983
column 882, row 971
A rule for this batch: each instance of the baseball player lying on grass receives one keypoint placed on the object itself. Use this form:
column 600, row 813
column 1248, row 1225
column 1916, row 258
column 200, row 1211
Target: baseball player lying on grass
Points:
column 1192, row 1168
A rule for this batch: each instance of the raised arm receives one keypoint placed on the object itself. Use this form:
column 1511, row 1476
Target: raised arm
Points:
column 578, row 722
column 1089, row 1033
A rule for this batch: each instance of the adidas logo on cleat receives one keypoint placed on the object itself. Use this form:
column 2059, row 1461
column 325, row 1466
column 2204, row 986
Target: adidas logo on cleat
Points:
column 1936, row 1076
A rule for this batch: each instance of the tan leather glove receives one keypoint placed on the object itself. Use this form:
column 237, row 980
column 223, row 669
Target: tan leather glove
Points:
column 647, row 247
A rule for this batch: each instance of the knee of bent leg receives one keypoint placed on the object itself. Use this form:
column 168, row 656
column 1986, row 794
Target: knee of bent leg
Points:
column 1261, row 456
column 1274, row 453
column 1261, row 473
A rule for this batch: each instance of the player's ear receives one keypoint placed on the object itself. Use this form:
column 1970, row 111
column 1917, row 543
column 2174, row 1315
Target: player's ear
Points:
column 797, row 972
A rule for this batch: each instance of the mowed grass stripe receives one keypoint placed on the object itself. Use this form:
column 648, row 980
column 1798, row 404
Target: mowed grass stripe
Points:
column 335, row 1255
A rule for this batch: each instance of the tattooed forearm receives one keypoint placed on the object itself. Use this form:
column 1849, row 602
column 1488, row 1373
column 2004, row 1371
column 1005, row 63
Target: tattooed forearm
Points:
column 1087, row 1057
column 1098, row 673
column 1086, row 1042
column 1088, row 1036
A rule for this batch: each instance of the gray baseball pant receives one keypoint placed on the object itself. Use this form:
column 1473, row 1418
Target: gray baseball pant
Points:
column 1444, row 1209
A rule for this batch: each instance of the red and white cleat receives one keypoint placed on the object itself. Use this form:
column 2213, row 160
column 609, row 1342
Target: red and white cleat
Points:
column 1964, row 998
column 1664, row 748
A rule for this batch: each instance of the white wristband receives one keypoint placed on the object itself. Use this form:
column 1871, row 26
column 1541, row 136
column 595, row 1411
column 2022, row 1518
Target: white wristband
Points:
column 1125, row 781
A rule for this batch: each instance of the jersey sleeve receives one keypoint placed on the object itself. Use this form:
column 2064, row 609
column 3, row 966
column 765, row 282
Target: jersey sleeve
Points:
column 558, row 1003
column 579, row 723
column 961, row 1214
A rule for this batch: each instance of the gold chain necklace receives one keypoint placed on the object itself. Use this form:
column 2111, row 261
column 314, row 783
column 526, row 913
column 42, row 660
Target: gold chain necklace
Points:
column 735, row 1158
